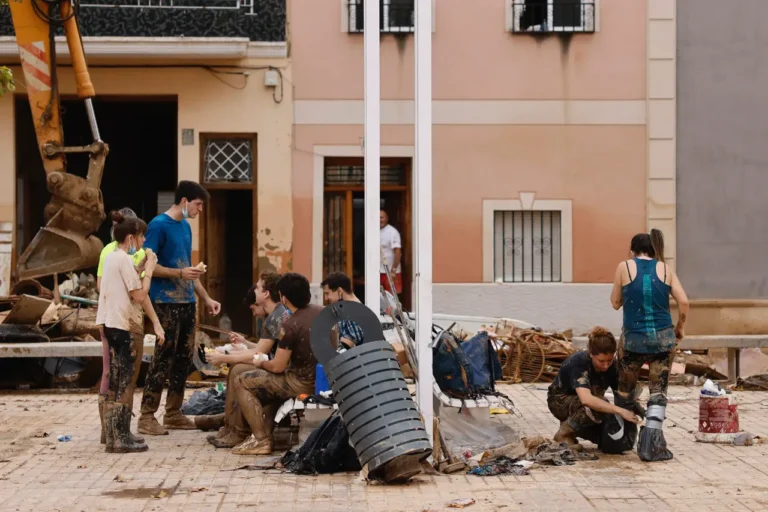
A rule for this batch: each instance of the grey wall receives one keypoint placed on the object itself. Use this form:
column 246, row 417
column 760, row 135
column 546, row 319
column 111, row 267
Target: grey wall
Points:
column 722, row 148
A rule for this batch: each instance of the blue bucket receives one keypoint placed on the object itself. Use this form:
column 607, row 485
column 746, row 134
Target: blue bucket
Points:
column 321, row 381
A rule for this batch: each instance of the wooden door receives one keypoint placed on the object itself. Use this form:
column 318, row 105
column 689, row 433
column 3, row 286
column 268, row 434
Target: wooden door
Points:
column 215, row 252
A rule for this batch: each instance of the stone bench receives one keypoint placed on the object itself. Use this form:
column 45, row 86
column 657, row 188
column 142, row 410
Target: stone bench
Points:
column 60, row 349
column 734, row 344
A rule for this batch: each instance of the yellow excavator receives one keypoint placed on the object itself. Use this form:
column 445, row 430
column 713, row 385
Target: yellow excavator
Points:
column 76, row 208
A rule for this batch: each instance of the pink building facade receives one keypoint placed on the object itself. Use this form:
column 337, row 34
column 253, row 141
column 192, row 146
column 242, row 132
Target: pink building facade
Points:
column 549, row 153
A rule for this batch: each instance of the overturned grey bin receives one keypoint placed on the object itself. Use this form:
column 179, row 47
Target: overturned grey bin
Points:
column 375, row 404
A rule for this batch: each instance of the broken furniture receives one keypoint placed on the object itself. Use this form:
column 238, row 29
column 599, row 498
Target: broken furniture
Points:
column 374, row 402
column 20, row 324
column 734, row 344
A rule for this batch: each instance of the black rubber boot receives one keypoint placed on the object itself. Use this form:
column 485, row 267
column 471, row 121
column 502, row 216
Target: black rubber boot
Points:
column 121, row 424
column 109, row 430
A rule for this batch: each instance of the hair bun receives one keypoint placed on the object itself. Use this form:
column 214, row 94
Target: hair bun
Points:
column 599, row 331
column 117, row 216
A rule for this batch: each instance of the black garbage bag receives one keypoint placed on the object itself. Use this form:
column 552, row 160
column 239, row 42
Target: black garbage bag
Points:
column 618, row 436
column 208, row 401
column 326, row 450
column 651, row 445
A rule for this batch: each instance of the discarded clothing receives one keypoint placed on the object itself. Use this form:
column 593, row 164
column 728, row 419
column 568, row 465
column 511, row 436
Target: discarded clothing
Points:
column 546, row 451
column 204, row 402
column 500, row 466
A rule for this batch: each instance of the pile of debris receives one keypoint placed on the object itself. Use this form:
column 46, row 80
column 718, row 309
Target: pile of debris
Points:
column 530, row 355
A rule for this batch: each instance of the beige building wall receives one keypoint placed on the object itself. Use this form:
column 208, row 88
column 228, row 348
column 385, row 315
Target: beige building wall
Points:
column 206, row 105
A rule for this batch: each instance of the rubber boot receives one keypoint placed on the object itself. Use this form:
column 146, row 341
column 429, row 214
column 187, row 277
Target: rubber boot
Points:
column 209, row 422
column 101, row 418
column 149, row 425
column 567, row 435
column 120, row 417
column 109, row 432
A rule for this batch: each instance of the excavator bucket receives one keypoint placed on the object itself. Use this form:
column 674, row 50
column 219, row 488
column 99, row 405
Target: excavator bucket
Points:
column 56, row 251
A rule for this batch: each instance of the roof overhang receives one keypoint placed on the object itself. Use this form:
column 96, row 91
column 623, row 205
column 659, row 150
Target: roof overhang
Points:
column 154, row 48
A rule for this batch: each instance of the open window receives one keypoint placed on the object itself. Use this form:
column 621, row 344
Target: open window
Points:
column 551, row 16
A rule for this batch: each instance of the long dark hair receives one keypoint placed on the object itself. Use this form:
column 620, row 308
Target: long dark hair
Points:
column 125, row 226
column 650, row 244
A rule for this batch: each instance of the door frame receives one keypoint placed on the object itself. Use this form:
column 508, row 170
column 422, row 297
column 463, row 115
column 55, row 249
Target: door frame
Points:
column 203, row 138
column 405, row 230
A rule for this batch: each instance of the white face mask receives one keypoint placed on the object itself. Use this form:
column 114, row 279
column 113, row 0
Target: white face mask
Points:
column 184, row 211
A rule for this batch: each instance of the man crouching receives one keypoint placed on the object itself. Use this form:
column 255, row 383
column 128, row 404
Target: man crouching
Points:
column 576, row 396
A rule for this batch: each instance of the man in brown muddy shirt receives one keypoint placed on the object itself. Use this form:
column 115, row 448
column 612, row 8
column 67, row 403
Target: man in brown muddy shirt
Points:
column 291, row 373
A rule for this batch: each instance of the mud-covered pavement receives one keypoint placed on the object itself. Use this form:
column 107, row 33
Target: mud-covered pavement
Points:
column 182, row 472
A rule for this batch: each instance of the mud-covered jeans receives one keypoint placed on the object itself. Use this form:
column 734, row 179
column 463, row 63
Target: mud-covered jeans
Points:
column 658, row 364
column 569, row 408
column 259, row 394
column 231, row 407
column 138, row 343
column 171, row 359
column 122, row 356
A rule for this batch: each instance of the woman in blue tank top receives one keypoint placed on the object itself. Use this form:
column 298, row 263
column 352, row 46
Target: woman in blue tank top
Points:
column 642, row 287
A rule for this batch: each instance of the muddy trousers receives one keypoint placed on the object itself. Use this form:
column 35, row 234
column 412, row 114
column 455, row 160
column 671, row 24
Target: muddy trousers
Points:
column 122, row 359
column 659, row 365
column 231, row 406
column 568, row 408
column 138, row 343
column 171, row 359
column 259, row 395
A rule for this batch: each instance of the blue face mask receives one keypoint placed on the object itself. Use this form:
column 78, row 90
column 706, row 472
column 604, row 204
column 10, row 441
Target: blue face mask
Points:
column 184, row 212
column 132, row 250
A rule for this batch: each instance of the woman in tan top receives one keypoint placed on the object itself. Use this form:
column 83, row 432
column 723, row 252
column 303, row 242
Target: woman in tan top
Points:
column 121, row 314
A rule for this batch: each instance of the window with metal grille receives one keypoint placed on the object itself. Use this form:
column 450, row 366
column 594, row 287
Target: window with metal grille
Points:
column 526, row 246
column 355, row 175
column 553, row 15
column 395, row 16
column 228, row 161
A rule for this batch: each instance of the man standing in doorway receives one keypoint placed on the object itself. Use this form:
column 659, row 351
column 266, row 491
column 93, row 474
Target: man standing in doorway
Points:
column 391, row 252
column 174, row 285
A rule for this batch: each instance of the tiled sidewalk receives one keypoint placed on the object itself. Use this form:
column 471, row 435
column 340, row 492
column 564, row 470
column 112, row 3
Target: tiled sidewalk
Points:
column 183, row 472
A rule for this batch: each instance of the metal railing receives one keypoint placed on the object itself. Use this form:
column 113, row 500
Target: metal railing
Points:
column 550, row 16
column 234, row 5
column 395, row 16
column 527, row 246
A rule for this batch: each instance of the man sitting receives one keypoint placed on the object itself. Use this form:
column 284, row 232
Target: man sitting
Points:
column 291, row 373
column 576, row 397
column 338, row 286
column 263, row 299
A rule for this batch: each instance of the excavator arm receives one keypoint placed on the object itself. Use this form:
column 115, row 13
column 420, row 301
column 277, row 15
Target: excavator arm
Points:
column 76, row 208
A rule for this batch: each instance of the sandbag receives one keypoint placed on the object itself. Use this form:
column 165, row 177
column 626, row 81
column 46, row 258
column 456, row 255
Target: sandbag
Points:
column 651, row 445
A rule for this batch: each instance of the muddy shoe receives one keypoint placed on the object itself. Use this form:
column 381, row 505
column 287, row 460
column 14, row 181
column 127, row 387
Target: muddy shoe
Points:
column 177, row 421
column 209, row 422
column 567, row 435
column 253, row 446
column 223, row 432
column 230, row 440
column 150, row 426
column 119, row 418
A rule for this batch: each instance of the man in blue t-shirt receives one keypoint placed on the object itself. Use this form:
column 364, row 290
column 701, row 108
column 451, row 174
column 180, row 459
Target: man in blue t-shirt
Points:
column 174, row 285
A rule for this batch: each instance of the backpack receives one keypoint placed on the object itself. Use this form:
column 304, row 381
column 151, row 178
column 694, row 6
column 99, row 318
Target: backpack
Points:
column 326, row 450
column 464, row 370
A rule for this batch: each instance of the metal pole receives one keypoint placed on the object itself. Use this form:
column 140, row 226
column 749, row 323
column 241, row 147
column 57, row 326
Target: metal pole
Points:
column 423, row 200
column 372, row 96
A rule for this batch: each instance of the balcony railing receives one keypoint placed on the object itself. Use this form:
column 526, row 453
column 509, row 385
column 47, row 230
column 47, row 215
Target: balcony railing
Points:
column 395, row 16
column 550, row 16
column 258, row 20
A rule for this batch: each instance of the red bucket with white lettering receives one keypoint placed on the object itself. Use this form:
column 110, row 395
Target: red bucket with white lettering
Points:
column 718, row 415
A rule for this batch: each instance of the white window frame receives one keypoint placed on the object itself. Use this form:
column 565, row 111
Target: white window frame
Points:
column 513, row 15
column 347, row 27
column 528, row 202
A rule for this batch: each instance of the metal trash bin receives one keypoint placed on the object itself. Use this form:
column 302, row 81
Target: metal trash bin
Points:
column 375, row 404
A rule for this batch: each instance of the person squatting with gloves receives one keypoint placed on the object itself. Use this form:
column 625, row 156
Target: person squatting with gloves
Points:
column 120, row 313
column 576, row 396
column 642, row 287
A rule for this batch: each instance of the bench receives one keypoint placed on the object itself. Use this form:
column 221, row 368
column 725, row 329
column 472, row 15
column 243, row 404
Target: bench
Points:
column 60, row 349
column 734, row 344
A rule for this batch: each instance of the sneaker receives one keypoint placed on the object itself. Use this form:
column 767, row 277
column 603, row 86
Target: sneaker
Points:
column 253, row 446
